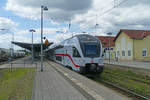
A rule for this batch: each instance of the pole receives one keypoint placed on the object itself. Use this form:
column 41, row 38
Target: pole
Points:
column 32, row 30
column 11, row 50
column 32, row 48
column 12, row 47
column 109, row 49
column 42, row 38
column 109, row 43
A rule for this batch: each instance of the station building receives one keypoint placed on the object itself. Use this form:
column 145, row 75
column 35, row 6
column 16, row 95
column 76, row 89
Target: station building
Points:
column 133, row 45
column 108, row 45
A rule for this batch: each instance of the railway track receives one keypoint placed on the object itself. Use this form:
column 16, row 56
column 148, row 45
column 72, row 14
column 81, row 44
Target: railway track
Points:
column 2, row 60
column 135, row 84
column 127, row 92
column 6, row 61
column 131, row 78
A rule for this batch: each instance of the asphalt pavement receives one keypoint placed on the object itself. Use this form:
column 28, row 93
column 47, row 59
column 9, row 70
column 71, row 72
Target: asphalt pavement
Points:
column 134, row 64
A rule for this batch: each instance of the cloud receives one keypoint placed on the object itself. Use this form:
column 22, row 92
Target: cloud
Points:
column 7, row 24
column 85, row 14
column 58, row 9
column 51, row 34
column 130, row 15
column 7, row 27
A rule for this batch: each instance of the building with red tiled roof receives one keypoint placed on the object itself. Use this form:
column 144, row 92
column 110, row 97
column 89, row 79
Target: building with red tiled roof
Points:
column 134, row 34
column 105, row 40
column 105, row 44
column 133, row 45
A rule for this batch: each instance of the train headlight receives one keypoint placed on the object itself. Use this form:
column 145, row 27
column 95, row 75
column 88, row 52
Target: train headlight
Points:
column 100, row 61
column 81, row 60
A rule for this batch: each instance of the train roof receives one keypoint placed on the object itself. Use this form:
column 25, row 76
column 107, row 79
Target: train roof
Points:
column 80, row 37
column 87, row 37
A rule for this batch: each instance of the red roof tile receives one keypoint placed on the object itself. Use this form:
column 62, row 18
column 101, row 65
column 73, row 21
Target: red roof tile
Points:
column 134, row 34
column 105, row 40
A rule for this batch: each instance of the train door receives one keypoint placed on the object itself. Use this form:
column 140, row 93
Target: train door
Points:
column 64, row 57
column 67, row 61
column 76, row 58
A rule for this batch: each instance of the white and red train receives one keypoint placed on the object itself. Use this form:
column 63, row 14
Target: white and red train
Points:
column 83, row 53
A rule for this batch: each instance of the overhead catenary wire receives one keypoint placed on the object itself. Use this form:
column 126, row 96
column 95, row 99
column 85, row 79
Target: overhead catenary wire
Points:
column 115, row 6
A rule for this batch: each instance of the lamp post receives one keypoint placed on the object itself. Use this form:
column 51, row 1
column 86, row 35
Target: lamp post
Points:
column 32, row 30
column 109, row 44
column 42, row 9
column 12, row 46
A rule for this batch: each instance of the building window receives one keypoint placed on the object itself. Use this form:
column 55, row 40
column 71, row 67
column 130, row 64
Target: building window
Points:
column 118, row 53
column 129, row 52
column 123, row 53
column 144, row 52
column 115, row 54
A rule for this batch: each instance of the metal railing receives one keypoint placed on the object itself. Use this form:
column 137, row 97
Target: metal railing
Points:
column 24, row 65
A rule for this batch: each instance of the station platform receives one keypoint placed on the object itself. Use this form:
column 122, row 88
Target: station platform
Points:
column 134, row 64
column 59, row 83
column 49, row 85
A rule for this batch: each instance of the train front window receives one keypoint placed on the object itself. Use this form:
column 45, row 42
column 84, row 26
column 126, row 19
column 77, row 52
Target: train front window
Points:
column 75, row 52
column 90, row 49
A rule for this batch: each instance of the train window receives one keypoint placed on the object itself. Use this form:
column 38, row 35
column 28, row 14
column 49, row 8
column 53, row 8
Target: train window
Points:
column 59, row 58
column 75, row 52
column 90, row 49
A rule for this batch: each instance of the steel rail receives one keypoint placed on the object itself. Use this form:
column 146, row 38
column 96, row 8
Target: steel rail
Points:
column 125, row 90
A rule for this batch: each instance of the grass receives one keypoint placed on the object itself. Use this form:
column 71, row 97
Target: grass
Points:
column 16, row 85
column 127, row 79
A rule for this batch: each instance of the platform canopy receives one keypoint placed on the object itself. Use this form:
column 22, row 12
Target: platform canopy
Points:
column 36, row 46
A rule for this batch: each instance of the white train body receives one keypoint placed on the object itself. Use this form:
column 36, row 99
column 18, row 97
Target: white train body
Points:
column 83, row 53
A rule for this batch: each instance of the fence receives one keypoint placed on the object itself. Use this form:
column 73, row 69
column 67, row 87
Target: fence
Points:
column 24, row 65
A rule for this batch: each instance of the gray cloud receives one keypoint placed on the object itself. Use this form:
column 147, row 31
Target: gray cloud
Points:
column 132, row 14
column 7, row 24
column 66, row 5
column 58, row 9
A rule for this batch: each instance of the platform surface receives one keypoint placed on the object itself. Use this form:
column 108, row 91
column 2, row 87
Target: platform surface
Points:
column 50, row 85
column 134, row 64
column 60, row 83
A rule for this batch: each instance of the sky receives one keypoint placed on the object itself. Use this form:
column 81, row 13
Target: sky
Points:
column 95, row 17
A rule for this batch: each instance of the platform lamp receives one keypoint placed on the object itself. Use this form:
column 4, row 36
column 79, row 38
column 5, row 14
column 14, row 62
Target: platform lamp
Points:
column 32, row 30
column 109, row 34
column 43, row 8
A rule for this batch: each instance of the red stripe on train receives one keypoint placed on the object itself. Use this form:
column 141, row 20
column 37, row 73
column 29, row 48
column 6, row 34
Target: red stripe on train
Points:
column 69, row 58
